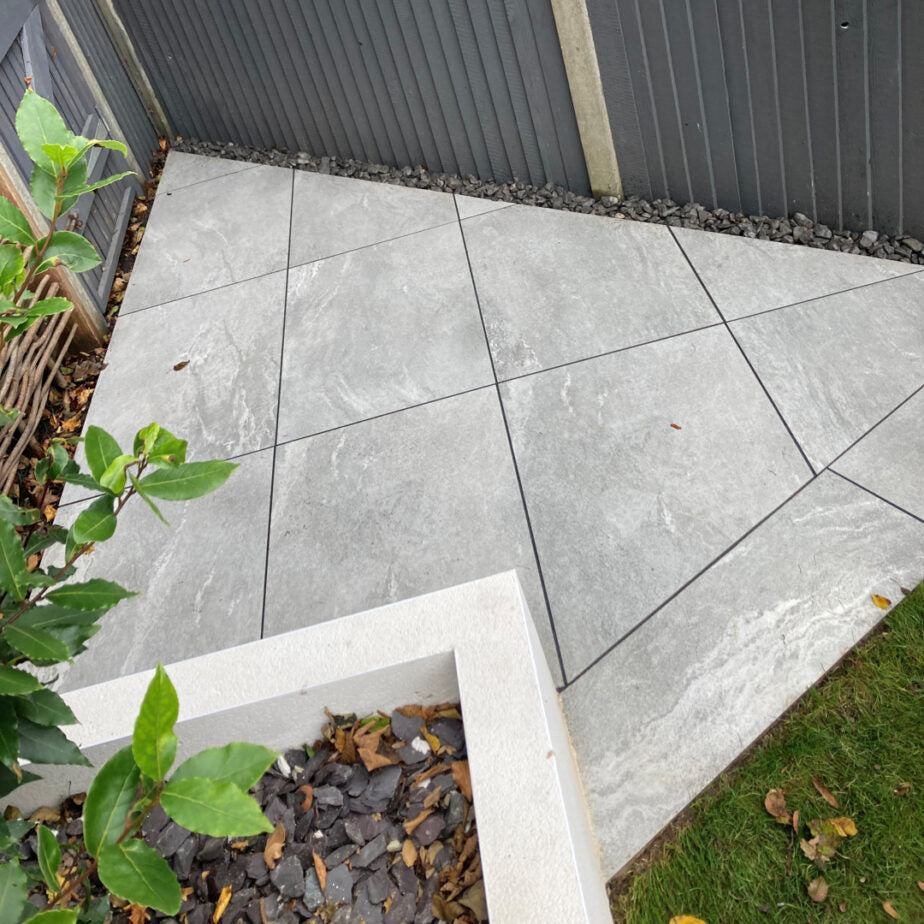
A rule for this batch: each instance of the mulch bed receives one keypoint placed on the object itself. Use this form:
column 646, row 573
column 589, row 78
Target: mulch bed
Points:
column 374, row 824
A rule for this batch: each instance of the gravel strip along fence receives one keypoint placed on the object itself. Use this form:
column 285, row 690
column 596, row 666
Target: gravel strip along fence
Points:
column 796, row 229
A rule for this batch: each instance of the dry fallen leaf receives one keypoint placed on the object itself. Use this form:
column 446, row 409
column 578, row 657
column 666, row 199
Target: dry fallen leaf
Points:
column 795, row 820
column 921, row 886
column 32, row 563
column 411, row 826
column 45, row 815
column 882, row 602
column 432, row 740
column 844, row 826
column 818, row 889
column 889, row 909
column 372, row 760
column 902, row 789
column 842, row 907
column 825, row 793
column 775, row 804
column 181, row 365
column 309, row 796
column 686, row 919
column 677, row 426
column 274, row 844
column 462, row 778
column 409, row 853
column 137, row 914
column 221, row 904
column 49, row 511
column 321, row 869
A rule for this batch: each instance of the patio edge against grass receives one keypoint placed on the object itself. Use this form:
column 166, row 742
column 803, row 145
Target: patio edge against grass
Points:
column 475, row 642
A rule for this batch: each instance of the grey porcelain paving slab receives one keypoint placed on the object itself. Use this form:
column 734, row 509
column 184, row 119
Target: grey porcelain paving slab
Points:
column 201, row 580
column 838, row 365
column 186, row 169
column 224, row 400
column 211, row 234
column 889, row 460
column 469, row 206
column 333, row 214
column 394, row 507
column 379, row 329
column 625, row 508
column 746, row 275
column 688, row 691
column 557, row 287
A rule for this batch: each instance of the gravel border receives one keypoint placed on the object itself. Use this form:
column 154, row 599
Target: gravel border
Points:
column 795, row 229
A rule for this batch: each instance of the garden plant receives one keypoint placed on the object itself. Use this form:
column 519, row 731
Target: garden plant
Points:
column 46, row 617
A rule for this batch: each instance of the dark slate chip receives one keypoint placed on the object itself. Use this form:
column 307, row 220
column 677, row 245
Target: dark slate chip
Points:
column 429, row 830
column 374, row 849
column 340, row 855
column 405, row 877
column 455, row 811
column 296, row 758
column 333, row 774
column 344, row 915
column 327, row 816
column 313, row 896
column 358, row 781
column 312, row 765
column 212, row 848
column 449, row 731
column 444, row 858
column 365, row 911
column 415, row 755
column 336, row 835
column 170, row 838
column 379, row 887
column 289, row 878
column 404, row 908
column 382, row 785
column 155, row 822
column 403, row 727
column 361, row 828
column 274, row 809
column 183, row 857
column 327, row 795
column 339, row 886
column 255, row 867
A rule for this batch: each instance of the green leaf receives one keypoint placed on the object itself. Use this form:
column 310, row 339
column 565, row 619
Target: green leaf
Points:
column 110, row 143
column 35, row 644
column 56, row 460
column 56, row 916
column 48, row 745
column 71, row 474
column 14, row 226
column 97, row 523
column 44, row 707
column 100, row 449
column 8, row 415
column 45, row 539
column 49, row 857
column 238, row 763
column 48, row 306
column 11, row 264
column 49, row 616
column 60, row 154
column 45, row 192
column 17, row 515
column 113, row 478
column 39, row 123
column 136, row 484
column 109, row 800
column 13, row 892
column 9, row 737
column 154, row 744
column 10, row 781
column 192, row 479
column 12, row 834
column 14, row 577
column 217, row 809
column 95, row 594
column 14, row 682
column 99, row 184
column 135, row 873
column 71, row 249
column 145, row 439
column 165, row 451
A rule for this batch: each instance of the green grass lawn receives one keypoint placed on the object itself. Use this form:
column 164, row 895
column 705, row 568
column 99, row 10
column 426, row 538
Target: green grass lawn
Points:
column 861, row 734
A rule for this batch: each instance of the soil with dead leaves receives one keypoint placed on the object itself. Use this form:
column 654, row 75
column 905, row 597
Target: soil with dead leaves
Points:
column 374, row 824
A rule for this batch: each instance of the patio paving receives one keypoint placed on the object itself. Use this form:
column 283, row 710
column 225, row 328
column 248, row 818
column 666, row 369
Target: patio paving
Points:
column 702, row 453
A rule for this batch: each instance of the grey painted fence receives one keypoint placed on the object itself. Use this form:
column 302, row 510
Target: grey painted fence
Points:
column 461, row 86
column 770, row 106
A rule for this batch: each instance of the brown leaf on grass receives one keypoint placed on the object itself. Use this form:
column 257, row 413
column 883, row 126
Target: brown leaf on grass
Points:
column 409, row 853
column 686, row 919
column 902, row 789
column 775, row 804
column 882, row 602
column 309, row 796
column 181, row 365
column 842, row 907
column 462, row 778
column 825, row 793
column 818, row 889
column 889, row 909
column 844, row 826
column 372, row 760
column 274, row 844
column 222, row 903
column 921, row 886
column 795, row 821
column 411, row 826
column 321, row 869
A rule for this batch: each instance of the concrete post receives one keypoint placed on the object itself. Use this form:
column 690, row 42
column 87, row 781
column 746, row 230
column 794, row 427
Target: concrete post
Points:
column 577, row 47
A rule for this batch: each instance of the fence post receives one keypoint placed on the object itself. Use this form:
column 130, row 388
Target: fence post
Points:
column 577, row 47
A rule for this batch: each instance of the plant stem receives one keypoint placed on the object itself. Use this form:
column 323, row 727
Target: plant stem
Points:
column 37, row 257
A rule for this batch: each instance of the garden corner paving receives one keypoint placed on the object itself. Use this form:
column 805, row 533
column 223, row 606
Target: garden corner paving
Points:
column 702, row 453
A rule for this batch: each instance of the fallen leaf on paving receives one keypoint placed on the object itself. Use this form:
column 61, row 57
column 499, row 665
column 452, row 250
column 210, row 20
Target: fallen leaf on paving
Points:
column 181, row 365
column 221, row 904
column 462, row 778
column 274, row 844
column 412, row 825
column 309, row 796
column 844, row 826
column 902, row 789
column 882, row 602
column 409, row 853
column 904, row 591
column 321, row 869
column 824, row 792
column 889, row 909
column 775, row 804
column 818, row 889
column 686, row 919
column 677, row 426
column 372, row 760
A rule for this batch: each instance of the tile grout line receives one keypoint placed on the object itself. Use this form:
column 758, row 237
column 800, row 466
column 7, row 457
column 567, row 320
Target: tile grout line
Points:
column 282, row 349
column 513, row 458
column 757, row 525
column 747, row 358
column 209, row 179
column 885, row 500
column 820, row 298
